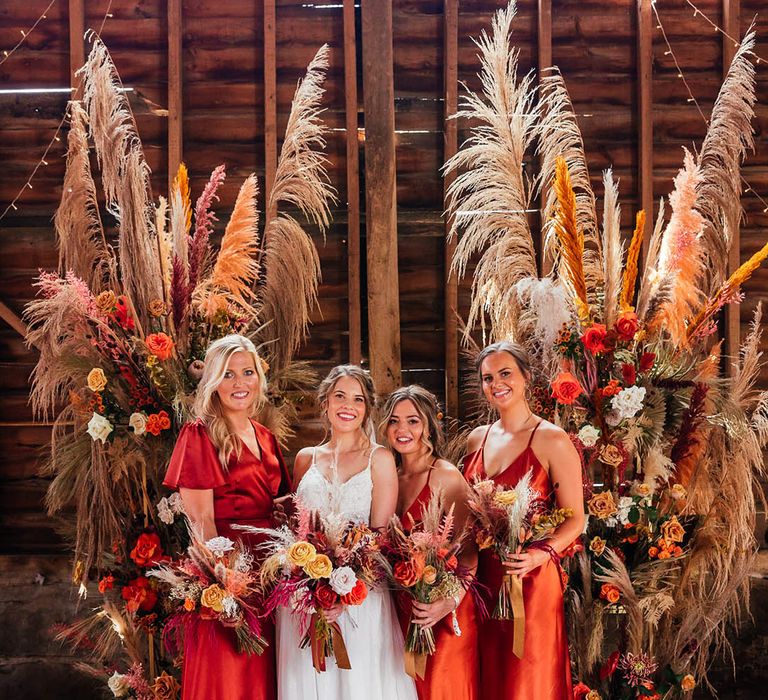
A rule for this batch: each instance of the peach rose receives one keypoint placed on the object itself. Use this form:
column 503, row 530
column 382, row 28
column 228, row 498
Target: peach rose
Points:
column 96, row 379
column 688, row 682
column 505, row 498
column 105, row 302
column 429, row 575
column 602, row 505
column 212, row 597
column 672, row 530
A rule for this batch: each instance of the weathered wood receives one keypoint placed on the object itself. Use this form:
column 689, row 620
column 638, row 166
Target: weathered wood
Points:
column 380, row 191
column 645, row 114
column 76, row 43
column 544, row 37
column 450, row 147
column 13, row 320
column 175, row 100
column 270, row 100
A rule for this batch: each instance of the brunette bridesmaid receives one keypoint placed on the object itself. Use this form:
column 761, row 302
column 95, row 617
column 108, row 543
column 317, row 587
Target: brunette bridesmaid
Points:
column 415, row 436
column 505, row 451
column 228, row 469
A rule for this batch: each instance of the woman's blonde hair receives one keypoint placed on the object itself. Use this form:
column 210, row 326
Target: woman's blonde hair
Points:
column 369, row 393
column 207, row 406
column 427, row 408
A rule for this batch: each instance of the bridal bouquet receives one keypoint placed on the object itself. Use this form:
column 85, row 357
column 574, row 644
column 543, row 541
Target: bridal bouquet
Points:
column 215, row 581
column 425, row 567
column 507, row 520
column 314, row 564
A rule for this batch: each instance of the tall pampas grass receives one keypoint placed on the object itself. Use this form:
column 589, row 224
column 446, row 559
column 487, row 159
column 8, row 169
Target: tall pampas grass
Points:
column 613, row 250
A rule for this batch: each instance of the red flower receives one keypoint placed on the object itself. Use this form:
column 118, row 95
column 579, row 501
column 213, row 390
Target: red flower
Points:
column 147, row 550
column 580, row 691
column 160, row 345
column 609, row 666
column 357, row 595
column 595, row 338
column 106, row 584
column 627, row 325
column 325, row 596
column 157, row 422
column 629, row 374
column 646, row 361
column 139, row 595
column 122, row 315
column 611, row 389
column 566, row 388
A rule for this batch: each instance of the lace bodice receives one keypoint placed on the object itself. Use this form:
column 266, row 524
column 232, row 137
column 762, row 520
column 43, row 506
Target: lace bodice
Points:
column 350, row 498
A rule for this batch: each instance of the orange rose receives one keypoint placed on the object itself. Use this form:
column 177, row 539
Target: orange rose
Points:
column 610, row 593
column 147, row 550
column 166, row 687
column 611, row 389
column 106, row 584
column 627, row 325
column 688, row 683
column 595, row 338
column 357, row 595
column 157, row 422
column 566, row 388
column 160, row 345
column 139, row 595
column 189, row 604
column 407, row 573
column 653, row 552
column 672, row 530
column 602, row 505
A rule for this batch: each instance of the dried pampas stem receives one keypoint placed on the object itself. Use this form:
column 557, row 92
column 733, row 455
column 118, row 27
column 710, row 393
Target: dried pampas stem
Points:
column 613, row 251
column 631, row 265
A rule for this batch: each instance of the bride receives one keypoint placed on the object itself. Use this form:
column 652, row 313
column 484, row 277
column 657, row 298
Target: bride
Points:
column 347, row 475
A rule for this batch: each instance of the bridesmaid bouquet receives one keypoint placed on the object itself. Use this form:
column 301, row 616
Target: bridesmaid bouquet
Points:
column 314, row 564
column 215, row 581
column 425, row 567
column 507, row 520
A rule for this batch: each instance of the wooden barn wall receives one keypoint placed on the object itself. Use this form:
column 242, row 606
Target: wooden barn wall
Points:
column 594, row 43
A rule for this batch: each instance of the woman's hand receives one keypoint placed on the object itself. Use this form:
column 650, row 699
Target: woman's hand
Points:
column 522, row 563
column 281, row 509
column 332, row 613
column 429, row 614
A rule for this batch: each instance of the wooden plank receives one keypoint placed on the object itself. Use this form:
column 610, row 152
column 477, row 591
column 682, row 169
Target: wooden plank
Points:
column 76, row 43
column 645, row 114
column 270, row 100
column 544, row 31
column 175, row 101
column 450, row 147
column 13, row 320
column 731, row 26
column 380, row 191
column 353, row 185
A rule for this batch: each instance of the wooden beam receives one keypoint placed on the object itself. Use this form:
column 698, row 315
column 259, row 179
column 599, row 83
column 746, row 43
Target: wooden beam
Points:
column 381, row 195
column 544, row 27
column 13, row 320
column 270, row 100
column 175, row 101
column 353, row 185
column 76, row 44
column 450, row 130
column 645, row 114
column 732, row 27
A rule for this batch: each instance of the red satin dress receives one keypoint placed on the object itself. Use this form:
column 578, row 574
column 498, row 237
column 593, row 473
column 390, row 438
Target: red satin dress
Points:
column 544, row 672
column 452, row 671
column 213, row 668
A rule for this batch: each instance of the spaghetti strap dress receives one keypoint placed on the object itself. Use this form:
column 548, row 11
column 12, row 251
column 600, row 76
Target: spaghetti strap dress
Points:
column 544, row 672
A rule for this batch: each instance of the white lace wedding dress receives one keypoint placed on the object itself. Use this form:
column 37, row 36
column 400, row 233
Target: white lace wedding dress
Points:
column 371, row 631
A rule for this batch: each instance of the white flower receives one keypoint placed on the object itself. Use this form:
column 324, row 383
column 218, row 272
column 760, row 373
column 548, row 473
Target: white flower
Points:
column 230, row 607
column 138, row 421
column 164, row 511
column 175, row 503
column 99, row 427
column 628, row 402
column 243, row 562
column 220, row 545
column 342, row 580
column 588, row 435
column 118, row 684
column 624, row 504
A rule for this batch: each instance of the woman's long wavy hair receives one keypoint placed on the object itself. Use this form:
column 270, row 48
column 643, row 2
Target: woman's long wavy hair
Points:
column 369, row 393
column 207, row 406
column 427, row 408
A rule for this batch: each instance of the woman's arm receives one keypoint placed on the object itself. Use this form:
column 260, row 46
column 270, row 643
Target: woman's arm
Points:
column 198, row 505
column 385, row 486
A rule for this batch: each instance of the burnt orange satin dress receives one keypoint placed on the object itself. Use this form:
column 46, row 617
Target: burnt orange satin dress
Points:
column 544, row 672
column 452, row 671
column 213, row 668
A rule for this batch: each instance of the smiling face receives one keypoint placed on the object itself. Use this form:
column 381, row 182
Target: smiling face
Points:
column 503, row 381
column 345, row 405
column 405, row 428
column 239, row 388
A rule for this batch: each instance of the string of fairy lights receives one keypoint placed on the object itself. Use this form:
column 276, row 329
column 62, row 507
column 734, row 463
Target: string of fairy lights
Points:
column 697, row 12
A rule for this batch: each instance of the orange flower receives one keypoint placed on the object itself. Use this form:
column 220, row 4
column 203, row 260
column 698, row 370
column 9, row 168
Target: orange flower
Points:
column 357, row 595
column 610, row 593
column 653, row 552
column 611, row 389
column 602, row 505
column 157, row 422
column 106, row 584
column 688, row 683
column 672, row 530
column 148, row 549
column 566, row 388
column 627, row 325
column 139, row 595
column 665, row 554
column 407, row 573
column 189, row 604
column 160, row 345
column 595, row 338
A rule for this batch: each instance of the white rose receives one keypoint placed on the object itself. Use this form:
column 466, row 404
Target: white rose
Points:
column 99, row 427
column 342, row 580
column 175, row 503
column 118, row 684
column 628, row 402
column 624, row 504
column 164, row 511
column 138, row 421
column 589, row 435
column 220, row 545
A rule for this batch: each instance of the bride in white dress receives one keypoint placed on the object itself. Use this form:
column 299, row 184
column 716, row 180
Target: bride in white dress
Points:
column 347, row 475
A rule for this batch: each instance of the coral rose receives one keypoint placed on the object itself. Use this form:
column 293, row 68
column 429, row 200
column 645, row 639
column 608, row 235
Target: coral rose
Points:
column 566, row 388
column 212, row 597
column 319, row 567
column 157, row 422
column 139, row 595
column 166, row 687
column 189, row 604
column 147, row 550
column 160, row 345
column 688, row 682
column 96, row 379
column 595, row 338
column 627, row 325
column 408, row 573
column 672, row 530
column 357, row 595
column 326, row 597
column 610, row 593
column 301, row 553
column 602, row 505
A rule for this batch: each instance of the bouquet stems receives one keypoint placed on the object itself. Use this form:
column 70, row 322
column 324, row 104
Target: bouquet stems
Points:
column 324, row 639
column 510, row 605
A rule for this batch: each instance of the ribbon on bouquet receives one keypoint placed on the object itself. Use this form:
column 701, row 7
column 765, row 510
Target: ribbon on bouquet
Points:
column 325, row 639
column 514, row 589
column 415, row 665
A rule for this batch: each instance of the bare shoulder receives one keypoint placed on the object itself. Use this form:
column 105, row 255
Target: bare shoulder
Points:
column 302, row 462
column 382, row 459
column 476, row 437
column 550, row 439
column 446, row 474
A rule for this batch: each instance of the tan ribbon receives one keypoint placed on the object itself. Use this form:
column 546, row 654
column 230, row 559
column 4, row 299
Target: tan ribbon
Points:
column 415, row 665
column 515, row 587
column 319, row 645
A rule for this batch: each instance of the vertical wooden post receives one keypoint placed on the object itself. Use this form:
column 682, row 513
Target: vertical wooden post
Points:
column 76, row 44
column 353, row 185
column 381, row 195
column 450, row 146
column 732, row 27
column 544, row 62
column 270, row 101
column 645, row 112
column 175, row 100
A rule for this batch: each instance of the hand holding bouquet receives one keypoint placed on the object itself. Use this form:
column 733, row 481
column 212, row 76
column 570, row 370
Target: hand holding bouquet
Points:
column 215, row 581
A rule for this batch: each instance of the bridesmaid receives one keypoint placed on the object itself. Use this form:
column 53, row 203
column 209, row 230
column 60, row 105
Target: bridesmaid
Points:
column 504, row 452
column 415, row 436
column 228, row 469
